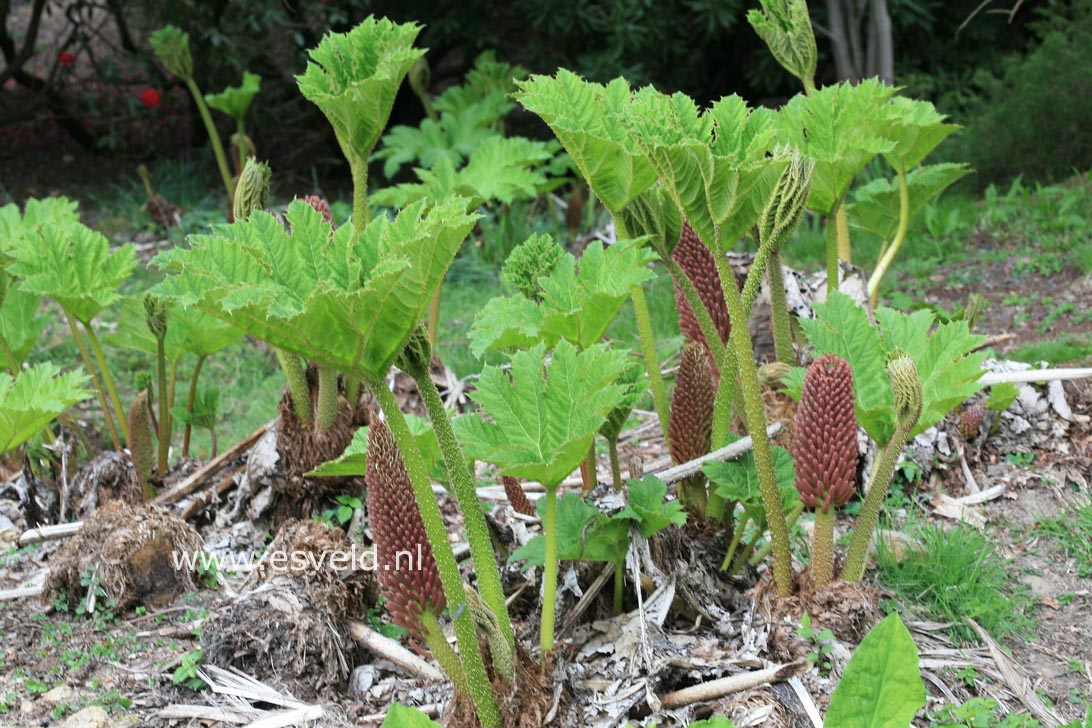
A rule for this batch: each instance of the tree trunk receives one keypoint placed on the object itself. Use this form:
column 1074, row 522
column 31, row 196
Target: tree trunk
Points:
column 861, row 39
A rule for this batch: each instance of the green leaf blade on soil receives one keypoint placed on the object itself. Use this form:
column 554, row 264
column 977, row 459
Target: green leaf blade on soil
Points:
column 881, row 686
column 399, row 716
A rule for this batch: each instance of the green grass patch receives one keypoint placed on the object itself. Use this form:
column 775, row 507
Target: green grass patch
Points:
column 1066, row 349
column 1072, row 531
column 959, row 574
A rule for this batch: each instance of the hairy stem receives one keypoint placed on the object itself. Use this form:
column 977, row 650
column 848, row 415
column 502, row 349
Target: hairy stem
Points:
column 591, row 479
column 619, row 586
column 164, row 436
column 297, row 384
column 878, row 483
column 892, row 250
column 615, row 465
column 779, row 304
column 361, row 213
column 833, row 283
column 478, row 686
column 190, row 399
column 481, row 545
column 214, row 138
column 755, row 417
column 762, row 553
column 652, row 359
column 822, row 547
column 432, row 322
column 107, row 379
column 549, row 579
column 89, row 365
column 841, row 226
column 327, row 398
column 441, row 650
column 737, row 535
column 352, row 391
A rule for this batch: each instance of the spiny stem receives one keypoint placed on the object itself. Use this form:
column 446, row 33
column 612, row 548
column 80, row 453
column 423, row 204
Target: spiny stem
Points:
column 481, row 545
column 762, row 553
column 841, row 226
column 833, row 283
column 822, row 547
column 900, row 235
column 190, row 399
column 90, row 367
column 619, row 586
column 549, row 579
column 441, row 650
column 615, row 465
column 361, row 213
column 878, row 483
column 652, row 359
column 779, row 304
column 107, row 379
column 478, row 685
column 327, row 398
column 755, row 418
column 297, row 384
column 214, row 138
column 164, row 438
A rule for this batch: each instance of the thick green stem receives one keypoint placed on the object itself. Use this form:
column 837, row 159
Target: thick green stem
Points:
column 619, row 586
column 737, row 535
column 762, row 553
column 108, row 380
column 190, row 399
column 900, row 236
column 591, row 478
column 481, row 546
column 327, row 398
column 164, row 437
column 89, row 365
column 297, row 384
column 841, row 227
column 361, row 213
column 832, row 256
column 549, row 579
column 652, row 359
column 779, row 304
column 441, row 650
column 878, row 483
column 352, row 390
column 615, row 465
column 754, row 416
column 214, row 138
column 478, row 685
column 822, row 547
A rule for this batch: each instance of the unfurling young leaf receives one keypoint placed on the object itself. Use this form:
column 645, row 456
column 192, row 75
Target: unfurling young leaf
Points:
column 235, row 100
column 875, row 206
column 172, row 47
column 399, row 716
column 786, row 28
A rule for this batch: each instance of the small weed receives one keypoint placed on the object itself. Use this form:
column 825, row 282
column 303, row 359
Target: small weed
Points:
column 1073, row 532
column 959, row 574
column 186, row 672
column 341, row 515
column 113, row 701
column 822, row 641
column 1020, row 459
column 979, row 713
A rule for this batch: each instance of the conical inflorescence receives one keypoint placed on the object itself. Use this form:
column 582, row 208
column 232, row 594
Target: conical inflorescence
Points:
column 825, row 443
column 700, row 266
column 406, row 566
column 690, row 429
column 516, row 497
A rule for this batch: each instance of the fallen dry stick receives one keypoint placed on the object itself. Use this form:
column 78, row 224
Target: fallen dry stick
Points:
column 396, row 653
column 727, row 685
column 1016, row 680
column 729, row 452
column 194, row 481
column 202, row 501
column 49, row 533
column 1034, row 375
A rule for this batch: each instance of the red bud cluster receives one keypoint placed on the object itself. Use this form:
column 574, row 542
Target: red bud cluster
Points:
column 825, row 442
column 321, row 206
column 700, row 266
column 407, row 571
column 516, row 497
column 690, row 430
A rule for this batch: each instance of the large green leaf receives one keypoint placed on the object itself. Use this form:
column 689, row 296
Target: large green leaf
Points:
column 579, row 300
column 339, row 300
column 353, row 78
column 543, row 418
column 786, row 28
column 36, row 214
column 583, row 117
column 719, row 166
column 840, row 127
column 72, row 264
column 881, row 686
column 27, row 404
column 737, row 482
column 235, row 100
column 20, row 327
column 916, row 128
column 647, row 506
column 399, row 716
column 841, row 327
column 875, row 206
column 189, row 331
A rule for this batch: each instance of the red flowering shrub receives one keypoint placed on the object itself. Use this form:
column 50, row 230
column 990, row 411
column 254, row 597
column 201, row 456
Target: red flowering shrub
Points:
column 65, row 58
column 150, row 98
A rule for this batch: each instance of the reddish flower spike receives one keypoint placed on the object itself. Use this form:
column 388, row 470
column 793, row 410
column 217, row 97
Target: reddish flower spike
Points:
column 150, row 98
column 322, row 206
column 825, row 443
column 690, row 429
column 700, row 266
column 65, row 58
column 408, row 576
